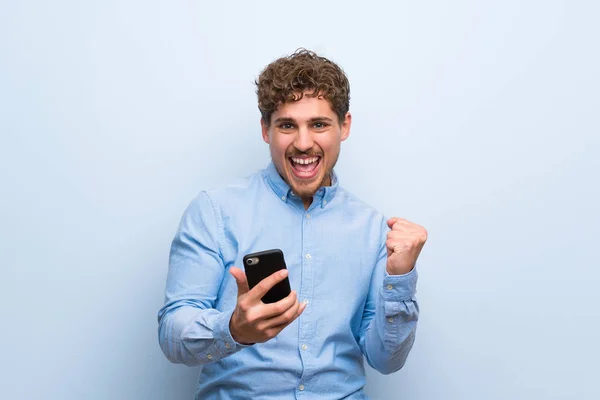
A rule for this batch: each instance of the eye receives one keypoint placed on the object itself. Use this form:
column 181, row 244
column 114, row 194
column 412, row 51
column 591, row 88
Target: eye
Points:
column 320, row 125
column 286, row 126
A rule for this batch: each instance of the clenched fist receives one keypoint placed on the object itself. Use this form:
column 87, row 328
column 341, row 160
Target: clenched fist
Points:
column 404, row 243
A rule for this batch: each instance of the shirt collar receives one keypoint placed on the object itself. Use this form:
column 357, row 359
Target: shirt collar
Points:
column 324, row 194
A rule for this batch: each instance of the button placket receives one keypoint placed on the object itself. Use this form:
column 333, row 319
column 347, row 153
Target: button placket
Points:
column 306, row 328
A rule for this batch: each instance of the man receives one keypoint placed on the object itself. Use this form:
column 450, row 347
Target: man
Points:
column 352, row 272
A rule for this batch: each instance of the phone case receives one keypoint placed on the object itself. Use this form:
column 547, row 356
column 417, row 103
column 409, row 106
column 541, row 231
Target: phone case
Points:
column 269, row 262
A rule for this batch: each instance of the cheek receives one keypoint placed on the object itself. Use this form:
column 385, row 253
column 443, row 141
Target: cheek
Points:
column 279, row 145
column 329, row 147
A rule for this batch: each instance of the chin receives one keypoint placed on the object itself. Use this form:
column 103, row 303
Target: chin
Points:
column 307, row 189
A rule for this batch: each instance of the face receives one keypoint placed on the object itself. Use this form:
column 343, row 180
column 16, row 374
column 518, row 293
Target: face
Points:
column 304, row 137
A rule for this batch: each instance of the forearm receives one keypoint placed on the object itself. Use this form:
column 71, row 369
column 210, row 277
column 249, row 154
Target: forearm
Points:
column 191, row 331
column 391, row 333
column 193, row 336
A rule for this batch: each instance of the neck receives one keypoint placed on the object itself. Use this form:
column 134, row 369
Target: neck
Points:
column 307, row 202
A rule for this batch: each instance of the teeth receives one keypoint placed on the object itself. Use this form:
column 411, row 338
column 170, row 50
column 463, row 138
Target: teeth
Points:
column 305, row 160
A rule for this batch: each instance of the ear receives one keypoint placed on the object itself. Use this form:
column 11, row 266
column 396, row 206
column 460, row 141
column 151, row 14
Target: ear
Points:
column 346, row 126
column 265, row 131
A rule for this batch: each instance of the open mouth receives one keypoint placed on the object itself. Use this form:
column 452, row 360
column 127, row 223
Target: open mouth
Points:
column 305, row 167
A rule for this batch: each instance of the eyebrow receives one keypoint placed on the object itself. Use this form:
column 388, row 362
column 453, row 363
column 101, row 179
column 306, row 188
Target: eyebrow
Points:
column 315, row 119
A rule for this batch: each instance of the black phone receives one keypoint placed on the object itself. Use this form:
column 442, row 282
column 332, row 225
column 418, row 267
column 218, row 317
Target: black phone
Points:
column 260, row 265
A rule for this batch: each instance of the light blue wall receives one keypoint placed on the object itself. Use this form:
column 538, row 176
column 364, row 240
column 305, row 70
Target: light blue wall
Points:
column 477, row 119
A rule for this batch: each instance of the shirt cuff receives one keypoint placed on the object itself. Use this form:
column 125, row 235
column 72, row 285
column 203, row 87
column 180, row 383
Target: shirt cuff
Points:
column 225, row 342
column 400, row 287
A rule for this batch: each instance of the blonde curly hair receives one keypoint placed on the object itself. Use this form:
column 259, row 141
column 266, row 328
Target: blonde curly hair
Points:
column 302, row 73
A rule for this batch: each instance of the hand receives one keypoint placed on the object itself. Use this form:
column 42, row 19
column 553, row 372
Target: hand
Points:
column 252, row 320
column 404, row 243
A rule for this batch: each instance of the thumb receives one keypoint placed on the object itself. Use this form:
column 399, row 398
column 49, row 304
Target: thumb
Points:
column 391, row 222
column 240, row 279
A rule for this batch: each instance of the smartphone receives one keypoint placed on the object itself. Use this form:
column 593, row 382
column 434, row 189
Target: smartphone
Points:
column 260, row 265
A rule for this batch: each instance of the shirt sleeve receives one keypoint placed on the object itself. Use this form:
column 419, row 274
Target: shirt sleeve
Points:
column 191, row 331
column 390, row 317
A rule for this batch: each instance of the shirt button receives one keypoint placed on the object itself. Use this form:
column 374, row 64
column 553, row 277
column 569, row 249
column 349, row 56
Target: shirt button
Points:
column 308, row 216
column 324, row 202
column 209, row 357
column 227, row 345
column 308, row 256
column 283, row 198
column 304, row 347
column 391, row 319
column 390, row 287
column 305, row 301
column 301, row 387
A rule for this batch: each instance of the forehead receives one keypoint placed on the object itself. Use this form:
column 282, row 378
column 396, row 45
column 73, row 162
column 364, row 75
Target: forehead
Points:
column 308, row 107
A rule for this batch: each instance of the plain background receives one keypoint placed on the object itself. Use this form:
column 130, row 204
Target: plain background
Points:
column 476, row 119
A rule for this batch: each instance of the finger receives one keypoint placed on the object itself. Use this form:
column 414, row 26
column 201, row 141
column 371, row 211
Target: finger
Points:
column 299, row 312
column 240, row 279
column 275, row 309
column 407, row 233
column 402, row 223
column 397, row 246
column 391, row 222
column 283, row 318
column 274, row 331
column 399, row 235
column 266, row 284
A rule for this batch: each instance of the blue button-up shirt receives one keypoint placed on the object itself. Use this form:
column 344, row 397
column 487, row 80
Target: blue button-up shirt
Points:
column 336, row 256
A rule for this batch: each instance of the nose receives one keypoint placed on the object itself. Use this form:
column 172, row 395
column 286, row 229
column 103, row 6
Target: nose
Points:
column 304, row 140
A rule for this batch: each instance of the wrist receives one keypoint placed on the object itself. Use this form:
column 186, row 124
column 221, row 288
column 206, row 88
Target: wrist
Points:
column 399, row 270
column 233, row 331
